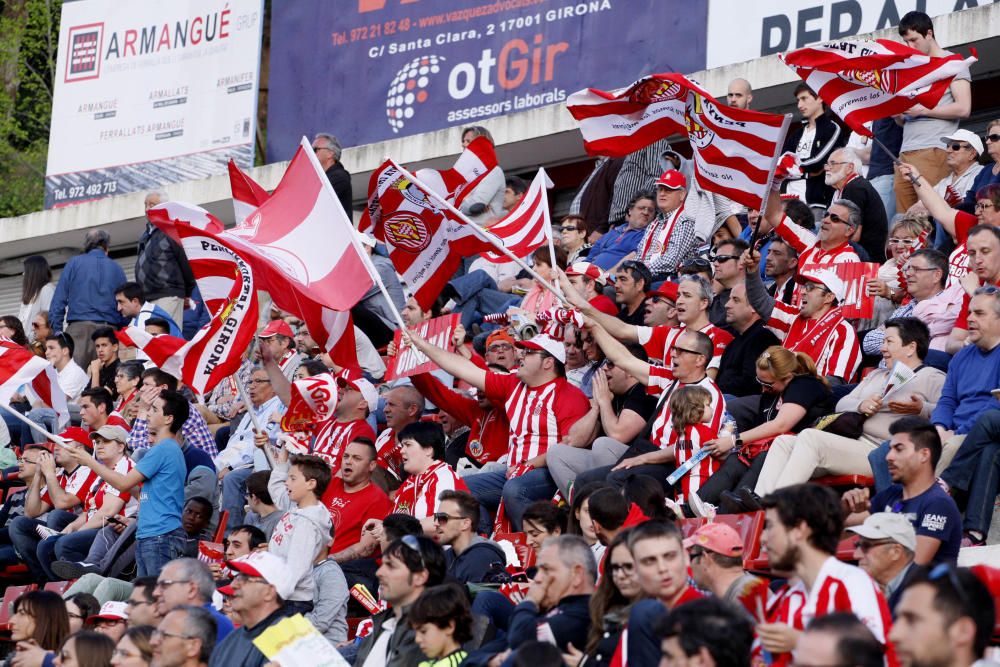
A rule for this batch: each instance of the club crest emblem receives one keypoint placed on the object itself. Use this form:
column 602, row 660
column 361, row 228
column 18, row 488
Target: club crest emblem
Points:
column 407, row 231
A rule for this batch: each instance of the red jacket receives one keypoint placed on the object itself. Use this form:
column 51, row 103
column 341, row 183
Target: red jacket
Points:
column 489, row 437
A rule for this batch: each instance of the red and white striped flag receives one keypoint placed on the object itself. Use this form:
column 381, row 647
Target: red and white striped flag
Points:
column 734, row 149
column 19, row 367
column 426, row 240
column 527, row 227
column 866, row 80
column 227, row 283
column 477, row 160
column 317, row 281
column 248, row 194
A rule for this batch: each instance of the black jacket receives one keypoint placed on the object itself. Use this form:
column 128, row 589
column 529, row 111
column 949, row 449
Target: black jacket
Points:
column 874, row 223
column 340, row 179
column 402, row 651
column 161, row 267
column 238, row 647
column 475, row 562
column 738, row 365
column 569, row 622
column 829, row 136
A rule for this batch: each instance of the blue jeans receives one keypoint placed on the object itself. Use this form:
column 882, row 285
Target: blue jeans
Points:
column 883, row 186
column 234, row 494
column 476, row 294
column 71, row 547
column 152, row 553
column 880, row 469
column 25, row 539
column 517, row 493
column 976, row 469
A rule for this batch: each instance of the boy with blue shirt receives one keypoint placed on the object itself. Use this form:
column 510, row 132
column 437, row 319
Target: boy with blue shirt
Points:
column 161, row 473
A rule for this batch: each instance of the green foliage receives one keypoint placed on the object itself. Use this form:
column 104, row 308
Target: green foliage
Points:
column 29, row 37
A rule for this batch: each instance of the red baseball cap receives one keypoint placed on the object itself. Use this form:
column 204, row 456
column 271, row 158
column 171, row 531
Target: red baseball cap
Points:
column 78, row 435
column 226, row 590
column 717, row 537
column 672, row 180
column 667, row 290
column 587, row 270
column 275, row 328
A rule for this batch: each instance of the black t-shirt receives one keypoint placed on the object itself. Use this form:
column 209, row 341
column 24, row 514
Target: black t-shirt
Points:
column 635, row 318
column 635, row 399
column 805, row 390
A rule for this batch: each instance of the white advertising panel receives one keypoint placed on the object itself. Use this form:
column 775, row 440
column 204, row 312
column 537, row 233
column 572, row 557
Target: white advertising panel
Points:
column 739, row 30
column 149, row 93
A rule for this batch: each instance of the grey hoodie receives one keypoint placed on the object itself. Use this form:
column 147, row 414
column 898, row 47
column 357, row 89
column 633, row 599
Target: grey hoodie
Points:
column 298, row 535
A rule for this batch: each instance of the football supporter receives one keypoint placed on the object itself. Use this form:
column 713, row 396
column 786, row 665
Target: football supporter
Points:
column 403, row 406
column 470, row 557
column 716, row 554
column 884, row 549
column 661, row 306
column 694, row 297
column 839, row 639
column 705, row 632
column 802, row 529
column 670, row 237
column 427, row 474
column 541, row 406
column 352, row 499
column 589, row 281
column 632, row 281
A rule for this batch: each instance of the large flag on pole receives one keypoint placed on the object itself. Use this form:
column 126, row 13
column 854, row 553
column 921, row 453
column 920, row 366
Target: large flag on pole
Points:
column 226, row 281
column 304, row 251
column 734, row 149
column 528, row 226
column 19, row 367
column 866, row 80
column 426, row 240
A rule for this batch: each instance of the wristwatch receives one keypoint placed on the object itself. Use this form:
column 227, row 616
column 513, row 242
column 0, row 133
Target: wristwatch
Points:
column 737, row 442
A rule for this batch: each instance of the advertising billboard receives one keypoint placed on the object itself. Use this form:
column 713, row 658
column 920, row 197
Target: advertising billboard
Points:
column 370, row 70
column 149, row 93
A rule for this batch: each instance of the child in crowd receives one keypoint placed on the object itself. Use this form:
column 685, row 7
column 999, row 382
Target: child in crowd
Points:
column 443, row 622
column 690, row 410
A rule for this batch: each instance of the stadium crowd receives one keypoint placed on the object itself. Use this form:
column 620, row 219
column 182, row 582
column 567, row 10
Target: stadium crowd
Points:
column 696, row 461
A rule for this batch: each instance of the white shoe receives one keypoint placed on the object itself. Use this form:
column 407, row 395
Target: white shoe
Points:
column 700, row 508
column 45, row 532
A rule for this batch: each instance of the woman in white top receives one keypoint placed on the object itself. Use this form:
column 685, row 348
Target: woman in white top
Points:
column 36, row 291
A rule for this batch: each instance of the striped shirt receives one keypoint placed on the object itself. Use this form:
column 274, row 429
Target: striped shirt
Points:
column 807, row 245
column 539, row 416
column 101, row 489
column 658, row 341
column 419, row 495
column 843, row 587
column 390, row 453
column 332, row 436
column 839, row 354
column 660, row 379
column 685, row 448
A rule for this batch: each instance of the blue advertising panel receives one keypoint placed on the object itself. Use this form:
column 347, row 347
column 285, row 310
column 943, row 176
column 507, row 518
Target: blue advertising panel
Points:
column 370, row 70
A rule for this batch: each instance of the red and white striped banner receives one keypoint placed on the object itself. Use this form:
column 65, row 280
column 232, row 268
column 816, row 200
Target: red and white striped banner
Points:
column 734, row 149
column 865, row 80
column 248, row 195
column 19, row 367
column 226, row 281
column 528, row 226
column 426, row 240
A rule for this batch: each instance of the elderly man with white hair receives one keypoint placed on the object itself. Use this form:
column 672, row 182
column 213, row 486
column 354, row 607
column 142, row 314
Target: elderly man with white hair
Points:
column 843, row 173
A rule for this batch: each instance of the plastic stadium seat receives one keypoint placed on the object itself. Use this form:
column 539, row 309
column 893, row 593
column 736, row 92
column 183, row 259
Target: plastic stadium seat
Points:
column 749, row 526
column 58, row 587
column 688, row 526
column 220, row 532
column 991, row 577
column 845, row 480
column 12, row 593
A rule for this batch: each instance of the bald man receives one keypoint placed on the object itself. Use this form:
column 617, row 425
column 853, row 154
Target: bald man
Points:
column 739, row 94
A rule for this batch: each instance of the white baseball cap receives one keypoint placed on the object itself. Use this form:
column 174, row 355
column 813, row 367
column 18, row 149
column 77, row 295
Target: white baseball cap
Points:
column 969, row 137
column 888, row 526
column 544, row 343
column 828, row 278
column 353, row 379
column 272, row 569
column 111, row 611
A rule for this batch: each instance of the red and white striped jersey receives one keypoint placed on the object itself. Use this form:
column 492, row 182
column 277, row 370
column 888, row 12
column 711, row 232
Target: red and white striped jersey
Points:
column 77, row 483
column 661, row 380
column 332, row 436
column 833, row 346
column 101, row 489
column 539, row 416
column 419, row 494
column 958, row 261
column 659, row 340
column 686, row 447
column 390, row 453
column 843, row 587
column 785, row 606
column 807, row 245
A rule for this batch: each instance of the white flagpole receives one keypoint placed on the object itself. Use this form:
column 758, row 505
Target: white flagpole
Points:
column 54, row 438
column 770, row 179
column 482, row 233
column 253, row 419
column 551, row 234
column 353, row 233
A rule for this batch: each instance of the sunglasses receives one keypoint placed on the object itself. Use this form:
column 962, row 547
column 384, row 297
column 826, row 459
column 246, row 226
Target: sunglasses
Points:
column 764, row 384
column 721, row 259
column 566, row 228
column 835, row 218
column 411, row 542
column 993, row 138
column 946, row 570
column 809, row 287
column 957, row 146
column 907, row 243
column 697, row 263
column 444, row 517
column 867, row 545
column 677, row 348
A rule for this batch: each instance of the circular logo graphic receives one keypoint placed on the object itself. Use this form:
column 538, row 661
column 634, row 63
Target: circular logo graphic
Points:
column 657, row 91
column 407, row 231
column 409, row 88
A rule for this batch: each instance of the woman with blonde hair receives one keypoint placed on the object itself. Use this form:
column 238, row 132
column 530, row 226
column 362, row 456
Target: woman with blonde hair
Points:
column 794, row 396
column 907, row 234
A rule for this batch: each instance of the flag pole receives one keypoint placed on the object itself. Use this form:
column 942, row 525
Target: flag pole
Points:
column 253, row 419
column 54, row 438
column 770, row 179
column 551, row 234
column 484, row 234
column 355, row 242
column 895, row 159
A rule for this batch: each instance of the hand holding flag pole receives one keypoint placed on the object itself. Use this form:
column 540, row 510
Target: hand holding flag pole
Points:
column 253, row 418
